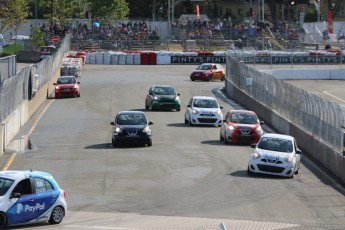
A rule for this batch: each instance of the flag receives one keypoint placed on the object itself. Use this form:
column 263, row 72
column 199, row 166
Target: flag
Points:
column 198, row 12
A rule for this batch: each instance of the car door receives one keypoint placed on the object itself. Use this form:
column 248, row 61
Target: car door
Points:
column 149, row 97
column 224, row 125
column 24, row 204
column 189, row 109
column 45, row 195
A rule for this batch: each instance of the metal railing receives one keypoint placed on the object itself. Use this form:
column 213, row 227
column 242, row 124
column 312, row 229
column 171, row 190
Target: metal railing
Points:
column 23, row 85
column 319, row 117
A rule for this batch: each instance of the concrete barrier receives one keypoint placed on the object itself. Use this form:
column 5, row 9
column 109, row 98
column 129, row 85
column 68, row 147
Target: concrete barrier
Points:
column 327, row 156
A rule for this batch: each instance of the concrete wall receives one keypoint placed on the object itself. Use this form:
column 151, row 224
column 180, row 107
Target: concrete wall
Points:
column 308, row 74
column 11, row 126
column 328, row 157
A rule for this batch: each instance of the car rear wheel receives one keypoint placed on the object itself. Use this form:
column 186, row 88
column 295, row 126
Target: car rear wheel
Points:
column 3, row 220
column 223, row 77
column 146, row 106
column 57, row 215
column 209, row 78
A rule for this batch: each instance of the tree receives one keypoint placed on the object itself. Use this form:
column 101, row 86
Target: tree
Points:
column 109, row 9
column 36, row 37
column 14, row 14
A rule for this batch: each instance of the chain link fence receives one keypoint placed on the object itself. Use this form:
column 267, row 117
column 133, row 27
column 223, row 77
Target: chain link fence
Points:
column 15, row 88
column 321, row 118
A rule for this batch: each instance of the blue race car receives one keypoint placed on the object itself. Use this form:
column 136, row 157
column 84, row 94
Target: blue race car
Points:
column 28, row 197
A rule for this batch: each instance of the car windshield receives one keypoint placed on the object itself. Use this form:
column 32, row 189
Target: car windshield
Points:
column 5, row 184
column 276, row 144
column 205, row 103
column 204, row 67
column 243, row 118
column 164, row 91
column 131, row 119
column 66, row 80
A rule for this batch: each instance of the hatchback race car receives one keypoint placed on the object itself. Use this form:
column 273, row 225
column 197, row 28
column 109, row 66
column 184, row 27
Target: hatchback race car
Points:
column 131, row 128
column 28, row 197
column 163, row 97
column 208, row 72
column 67, row 86
column 275, row 154
column 241, row 126
column 203, row 110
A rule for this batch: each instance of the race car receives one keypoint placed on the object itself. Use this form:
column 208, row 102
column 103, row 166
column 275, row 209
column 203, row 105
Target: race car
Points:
column 28, row 197
column 208, row 72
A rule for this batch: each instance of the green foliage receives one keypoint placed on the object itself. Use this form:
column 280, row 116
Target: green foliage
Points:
column 15, row 13
column 310, row 15
column 36, row 37
column 109, row 9
column 12, row 49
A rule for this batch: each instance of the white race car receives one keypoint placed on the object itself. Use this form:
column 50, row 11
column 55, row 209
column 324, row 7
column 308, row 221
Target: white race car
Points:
column 28, row 197
column 275, row 154
column 203, row 110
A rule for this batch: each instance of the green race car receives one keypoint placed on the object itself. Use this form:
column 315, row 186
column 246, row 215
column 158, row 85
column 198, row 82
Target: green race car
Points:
column 163, row 97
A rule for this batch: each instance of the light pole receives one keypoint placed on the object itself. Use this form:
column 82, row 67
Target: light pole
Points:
column 51, row 15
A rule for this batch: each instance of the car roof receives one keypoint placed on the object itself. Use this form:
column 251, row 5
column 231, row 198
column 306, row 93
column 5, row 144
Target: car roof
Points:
column 67, row 76
column 130, row 112
column 163, row 86
column 15, row 175
column 276, row 135
column 241, row 111
column 208, row 64
column 204, row 97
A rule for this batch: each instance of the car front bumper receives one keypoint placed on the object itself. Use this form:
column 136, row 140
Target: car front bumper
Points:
column 278, row 168
column 159, row 105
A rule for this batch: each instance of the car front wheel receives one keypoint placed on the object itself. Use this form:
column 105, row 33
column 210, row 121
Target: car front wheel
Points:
column 3, row 220
column 57, row 215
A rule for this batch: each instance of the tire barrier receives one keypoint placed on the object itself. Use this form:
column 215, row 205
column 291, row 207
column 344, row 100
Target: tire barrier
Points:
column 197, row 57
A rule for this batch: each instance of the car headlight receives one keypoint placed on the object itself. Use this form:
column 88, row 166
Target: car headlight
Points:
column 118, row 130
column 255, row 154
column 147, row 129
column 231, row 128
column 75, row 87
column 177, row 98
column 194, row 111
column 57, row 87
column 290, row 158
column 259, row 130
column 155, row 97
column 219, row 112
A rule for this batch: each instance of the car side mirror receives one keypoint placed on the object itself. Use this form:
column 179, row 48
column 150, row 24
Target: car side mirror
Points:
column 298, row 151
column 150, row 123
column 253, row 146
column 221, row 107
column 54, row 83
column 178, row 94
column 262, row 122
column 78, row 82
column 224, row 120
column 15, row 195
column 188, row 106
column 112, row 123
column 150, row 93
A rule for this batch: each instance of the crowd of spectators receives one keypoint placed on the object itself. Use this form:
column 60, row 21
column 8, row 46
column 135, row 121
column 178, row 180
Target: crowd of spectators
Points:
column 131, row 30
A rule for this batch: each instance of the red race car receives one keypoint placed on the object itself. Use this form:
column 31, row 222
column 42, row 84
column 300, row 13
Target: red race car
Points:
column 208, row 72
column 241, row 126
column 67, row 86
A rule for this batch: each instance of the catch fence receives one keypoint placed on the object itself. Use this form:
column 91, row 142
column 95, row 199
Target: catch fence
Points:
column 319, row 117
column 16, row 88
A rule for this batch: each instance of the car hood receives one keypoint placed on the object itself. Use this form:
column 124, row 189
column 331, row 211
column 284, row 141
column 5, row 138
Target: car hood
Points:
column 201, row 71
column 268, row 154
column 252, row 126
column 137, row 127
column 66, row 85
column 206, row 110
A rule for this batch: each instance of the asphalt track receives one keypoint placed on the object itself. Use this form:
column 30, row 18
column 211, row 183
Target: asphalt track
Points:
column 186, row 180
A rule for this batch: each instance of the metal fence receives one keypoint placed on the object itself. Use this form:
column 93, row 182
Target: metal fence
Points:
column 22, row 86
column 7, row 67
column 321, row 118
